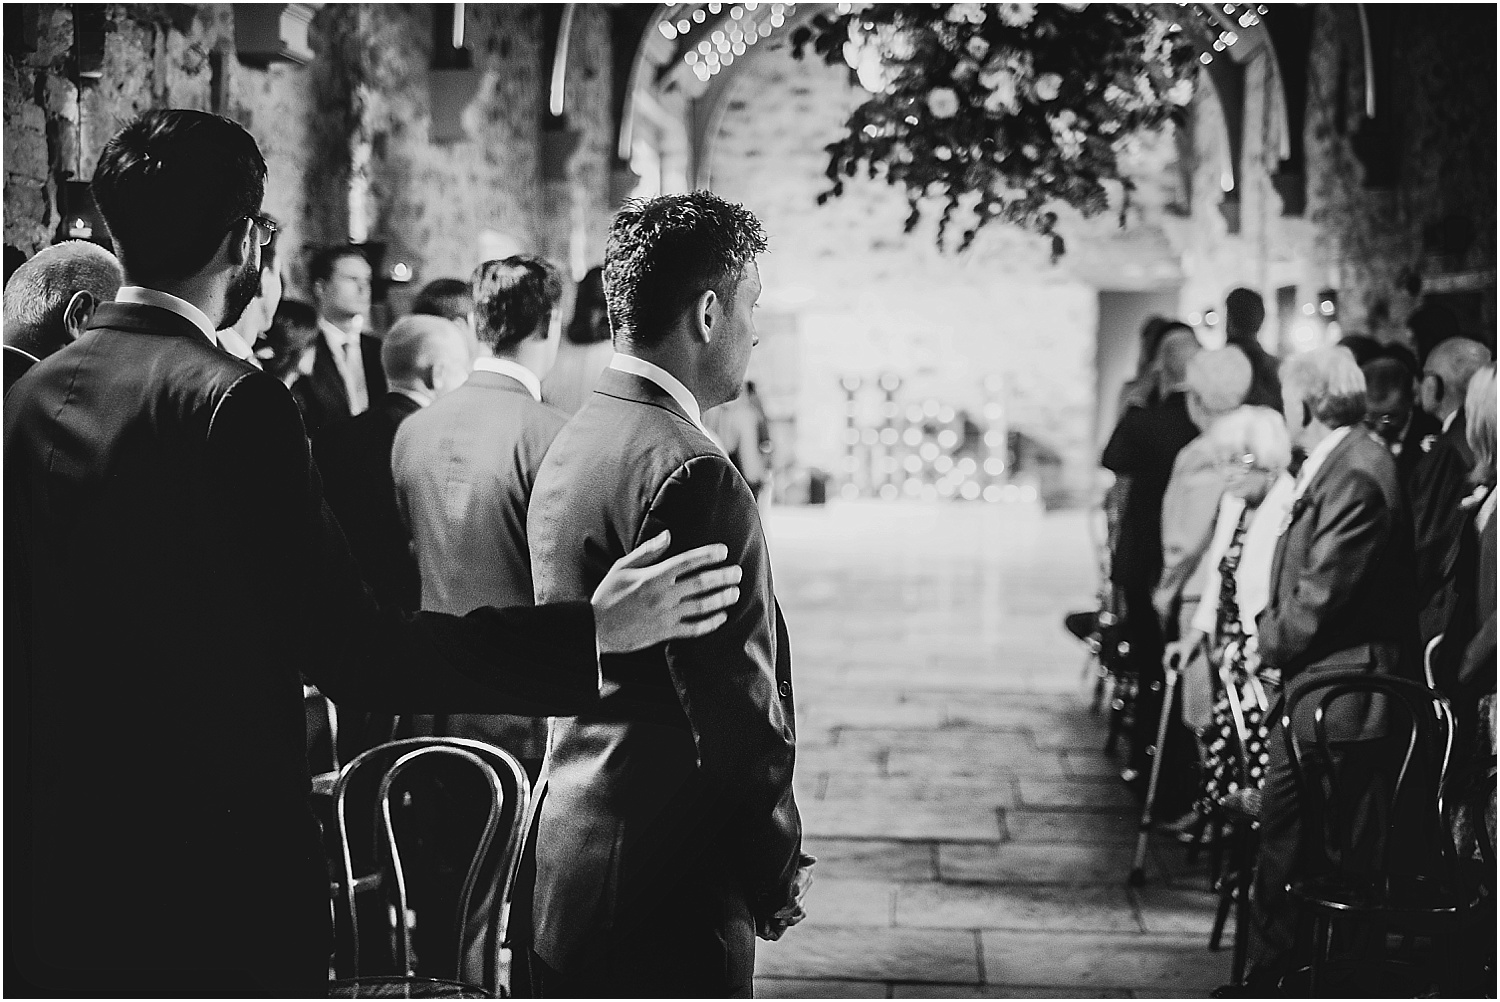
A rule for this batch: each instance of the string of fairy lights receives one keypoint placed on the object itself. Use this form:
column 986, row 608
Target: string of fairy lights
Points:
column 712, row 47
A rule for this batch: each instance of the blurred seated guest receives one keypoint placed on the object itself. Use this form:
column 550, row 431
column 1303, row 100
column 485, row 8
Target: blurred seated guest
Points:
column 452, row 299
column 1440, row 479
column 50, row 299
column 465, row 466
column 1251, row 447
column 1363, row 347
column 346, row 372
column 1244, row 315
column 241, row 337
column 585, row 350
column 1143, row 447
column 424, row 357
column 1217, row 382
column 1340, row 601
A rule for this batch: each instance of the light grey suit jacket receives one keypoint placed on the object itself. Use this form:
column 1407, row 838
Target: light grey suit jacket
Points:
column 463, row 470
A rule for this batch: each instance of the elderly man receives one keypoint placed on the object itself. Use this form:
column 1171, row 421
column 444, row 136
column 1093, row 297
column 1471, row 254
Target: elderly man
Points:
column 1340, row 601
column 668, row 836
column 51, row 298
column 424, row 358
column 1143, row 448
column 1440, row 479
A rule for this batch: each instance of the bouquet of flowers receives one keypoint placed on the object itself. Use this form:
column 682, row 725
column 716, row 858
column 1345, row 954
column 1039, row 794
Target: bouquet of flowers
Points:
column 1001, row 109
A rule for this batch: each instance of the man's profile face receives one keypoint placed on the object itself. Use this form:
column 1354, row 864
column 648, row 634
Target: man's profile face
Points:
column 346, row 291
column 734, row 335
column 1387, row 417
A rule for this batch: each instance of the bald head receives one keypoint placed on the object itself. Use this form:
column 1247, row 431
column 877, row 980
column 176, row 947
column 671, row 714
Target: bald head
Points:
column 425, row 353
column 50, row 299
column 1446, row 374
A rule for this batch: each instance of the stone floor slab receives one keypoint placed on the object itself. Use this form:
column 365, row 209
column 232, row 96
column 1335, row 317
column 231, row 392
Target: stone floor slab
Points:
column 920, row 789
column 818, row 988
column 1178, row 910
column 997, row 767
column 877, row 818
column 941, row 955
column 1080, row 962
column 873, row 859
column 919, row 991
column 850, row 901
column 1070, row 826
column 1074, row 794
column 1039, row 863
column 971, row 906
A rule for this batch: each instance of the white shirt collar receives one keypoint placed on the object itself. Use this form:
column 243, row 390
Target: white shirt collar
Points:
column 141, row 296
column 230, row 341
column 515, row 370
column 661, row 377
column 1448, row 421
column 336, row 334
column 1318, row 457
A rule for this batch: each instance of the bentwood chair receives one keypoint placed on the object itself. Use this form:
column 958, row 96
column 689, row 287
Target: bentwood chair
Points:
column 1373, row 816
column 408, row 828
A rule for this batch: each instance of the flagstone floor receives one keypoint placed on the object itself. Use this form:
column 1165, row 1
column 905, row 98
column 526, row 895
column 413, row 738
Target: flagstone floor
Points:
column 973, row 840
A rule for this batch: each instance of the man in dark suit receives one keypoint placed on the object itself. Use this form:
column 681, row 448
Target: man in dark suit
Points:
column 1340, row 601
column 1440, row 479
column 668, row 836
column 424, row 358
column 464, row 469
column 174, row 573
column 1391, row 411
column 50, row 299
column 1244, row 315
column 346, row 372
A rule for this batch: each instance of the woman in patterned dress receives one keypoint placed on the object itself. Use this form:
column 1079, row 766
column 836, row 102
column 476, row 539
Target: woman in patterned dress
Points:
column 1252, row 445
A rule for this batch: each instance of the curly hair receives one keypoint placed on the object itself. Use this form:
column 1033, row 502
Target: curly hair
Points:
column 512, row 298
column 663, row 253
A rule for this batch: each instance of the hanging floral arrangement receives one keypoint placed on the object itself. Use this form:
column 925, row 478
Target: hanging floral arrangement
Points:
column 1000, row 109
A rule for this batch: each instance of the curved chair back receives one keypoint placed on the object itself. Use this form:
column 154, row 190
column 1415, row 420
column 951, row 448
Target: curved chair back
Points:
column 1405, row 773
column 380, row 781
column 1428, row 657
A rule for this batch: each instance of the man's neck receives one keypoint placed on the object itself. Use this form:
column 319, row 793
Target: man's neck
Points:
column 35, row 343
column 421, row 394
column 207, row 296
column 1313, row 435
column 349, row 323
column 687, row 375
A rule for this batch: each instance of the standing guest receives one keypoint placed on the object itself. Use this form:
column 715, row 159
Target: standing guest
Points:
column 1244, row 315
column 668, row 835
column 1143, row 448
column 1340, row 601
column 50, row 299
column 161, row 490
column 346, row 373
column 739, row 427
column 464, row 470
column 585, row 350
column 1391, row 413
column 1145, row 387
column 1363, row 347
column 452, row 299
column 241, row 338
column 424, row 358
column 1440, row 479
column 286, row 351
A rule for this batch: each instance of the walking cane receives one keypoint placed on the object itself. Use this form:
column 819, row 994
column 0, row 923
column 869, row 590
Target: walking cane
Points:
column 1138, row 870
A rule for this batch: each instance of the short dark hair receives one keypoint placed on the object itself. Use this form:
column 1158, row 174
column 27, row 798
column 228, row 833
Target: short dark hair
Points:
column 292, row 329
column 512, row 297
column 581, row 328
column 663, row 253
column 323, row 261
column 1386, row 379
column 171, row 184
column 1244, row 313
column 1363, row 347
column 449, row 298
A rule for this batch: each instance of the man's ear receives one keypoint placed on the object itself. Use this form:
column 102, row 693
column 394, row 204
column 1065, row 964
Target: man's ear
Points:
column 79, row 311
column 705, row 313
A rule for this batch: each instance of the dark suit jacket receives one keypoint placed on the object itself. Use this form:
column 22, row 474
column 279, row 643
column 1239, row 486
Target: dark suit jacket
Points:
column 464, row 469
column 1438, row 483
column 181, row 575
column 1341, row 592
column 354, row 457
column 686, row 766
column 324, row 397
column 1265, row 375
column 17, row 364
column 1143, row 447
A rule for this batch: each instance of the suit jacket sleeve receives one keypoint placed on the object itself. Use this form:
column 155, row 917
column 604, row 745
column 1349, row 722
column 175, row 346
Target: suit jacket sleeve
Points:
column 727, row 681
column 533, row 661
column 1439, row 483
column 1353, row 524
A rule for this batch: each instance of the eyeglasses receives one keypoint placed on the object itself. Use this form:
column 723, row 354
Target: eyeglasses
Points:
column 1245, row 464
column 264, row 224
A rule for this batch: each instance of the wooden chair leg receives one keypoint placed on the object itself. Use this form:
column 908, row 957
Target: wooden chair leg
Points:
column 1319, row 956
column 1244, row 856
column 1221, row 915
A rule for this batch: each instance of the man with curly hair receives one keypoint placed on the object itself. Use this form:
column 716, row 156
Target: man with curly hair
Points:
column 668, row 836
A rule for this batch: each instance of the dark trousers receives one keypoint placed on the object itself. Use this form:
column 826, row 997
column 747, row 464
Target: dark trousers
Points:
column 1364, row 770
